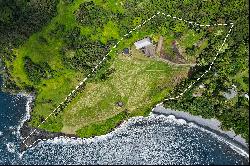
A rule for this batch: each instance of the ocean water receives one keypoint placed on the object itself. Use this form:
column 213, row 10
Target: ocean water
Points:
column 156, row 139
column 12, row 110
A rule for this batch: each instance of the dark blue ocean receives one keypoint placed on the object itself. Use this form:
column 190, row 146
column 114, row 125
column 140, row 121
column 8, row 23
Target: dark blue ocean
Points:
column 152, row 140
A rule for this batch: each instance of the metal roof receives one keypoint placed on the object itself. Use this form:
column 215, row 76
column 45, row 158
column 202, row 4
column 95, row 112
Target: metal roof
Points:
column 142, row 43
column 126, row 51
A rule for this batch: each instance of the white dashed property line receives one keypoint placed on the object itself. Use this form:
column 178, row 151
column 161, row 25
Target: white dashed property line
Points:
column 191, row 22
column 144, row 22
column 110, row 52
column 210, row 66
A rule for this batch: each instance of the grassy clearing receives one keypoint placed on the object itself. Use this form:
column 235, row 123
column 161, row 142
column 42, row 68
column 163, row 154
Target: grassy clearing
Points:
column 202, row 47
column 138, row 82
column 101, row 127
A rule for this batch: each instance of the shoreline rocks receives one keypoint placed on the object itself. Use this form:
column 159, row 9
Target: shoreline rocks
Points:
column 211, row 125
column 29, row 140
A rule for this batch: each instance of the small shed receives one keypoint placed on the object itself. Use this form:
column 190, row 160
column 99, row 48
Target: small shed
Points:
column 125, row 51
column 119, row 103
column 142, row 43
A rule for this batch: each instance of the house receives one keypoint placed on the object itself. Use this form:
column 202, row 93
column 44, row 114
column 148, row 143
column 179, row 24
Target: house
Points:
column 146, row 46
column 142, row 43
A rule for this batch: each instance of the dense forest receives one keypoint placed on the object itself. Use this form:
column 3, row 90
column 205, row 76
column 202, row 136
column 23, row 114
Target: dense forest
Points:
column 18, row 21
column 230, row 69
column 83, row 32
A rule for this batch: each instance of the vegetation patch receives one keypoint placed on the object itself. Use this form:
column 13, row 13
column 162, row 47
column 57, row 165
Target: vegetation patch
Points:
column 101, row 127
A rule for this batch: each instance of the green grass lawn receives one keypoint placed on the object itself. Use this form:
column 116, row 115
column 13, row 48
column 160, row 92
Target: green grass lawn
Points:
column 139, row 82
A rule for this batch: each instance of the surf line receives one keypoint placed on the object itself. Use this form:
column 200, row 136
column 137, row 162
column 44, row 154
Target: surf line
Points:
column 105, row 57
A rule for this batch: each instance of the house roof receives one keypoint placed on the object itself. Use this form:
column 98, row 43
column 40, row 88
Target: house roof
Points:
column 142, row 43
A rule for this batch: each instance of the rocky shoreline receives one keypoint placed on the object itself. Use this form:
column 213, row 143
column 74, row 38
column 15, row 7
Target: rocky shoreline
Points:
column 212, row 125
column 24, row 129
column 30, row 136
column 29, row 140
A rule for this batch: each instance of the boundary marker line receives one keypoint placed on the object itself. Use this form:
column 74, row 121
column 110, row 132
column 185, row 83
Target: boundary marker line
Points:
column 112, row 49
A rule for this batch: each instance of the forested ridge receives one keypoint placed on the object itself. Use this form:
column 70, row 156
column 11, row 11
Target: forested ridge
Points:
column 20, row 18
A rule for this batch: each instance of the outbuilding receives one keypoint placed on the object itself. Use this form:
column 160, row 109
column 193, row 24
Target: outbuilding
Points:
column 125, row 51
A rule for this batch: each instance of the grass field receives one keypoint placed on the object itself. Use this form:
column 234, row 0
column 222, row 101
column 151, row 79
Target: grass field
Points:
column 138, row 82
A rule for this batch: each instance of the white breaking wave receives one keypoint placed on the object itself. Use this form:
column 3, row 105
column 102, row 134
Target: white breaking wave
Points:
column 182, row 121
column 156, row 139
column 231, row 145
column 11, row 147
column 26, row 117
column 140, row 119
